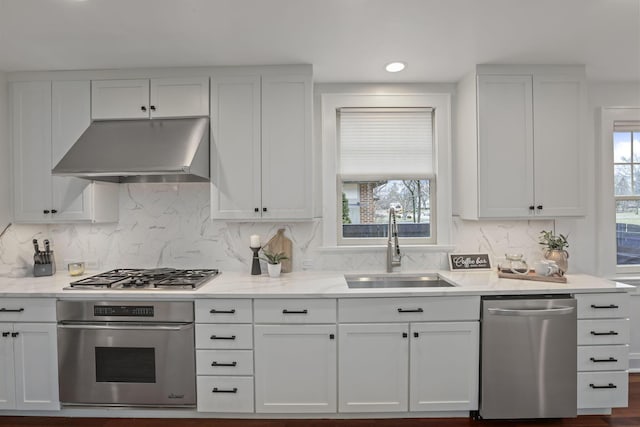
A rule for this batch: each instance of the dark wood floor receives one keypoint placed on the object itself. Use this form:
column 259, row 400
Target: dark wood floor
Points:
column 626, row 417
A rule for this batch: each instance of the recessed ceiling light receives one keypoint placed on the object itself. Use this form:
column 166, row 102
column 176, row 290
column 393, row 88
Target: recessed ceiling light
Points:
column 394, row 67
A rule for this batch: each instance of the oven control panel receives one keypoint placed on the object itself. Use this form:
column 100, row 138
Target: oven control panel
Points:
column 123, row 310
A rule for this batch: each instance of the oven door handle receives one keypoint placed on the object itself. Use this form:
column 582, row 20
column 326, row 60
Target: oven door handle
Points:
column 121, row 327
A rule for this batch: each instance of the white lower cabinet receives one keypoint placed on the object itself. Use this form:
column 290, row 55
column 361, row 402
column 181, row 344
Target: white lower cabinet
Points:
column 374, row 367
column 295, row 368
column 28, row 366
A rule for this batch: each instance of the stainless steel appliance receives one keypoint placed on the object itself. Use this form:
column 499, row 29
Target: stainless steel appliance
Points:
column 125, row 353
column 528, row 357
column 145, row 279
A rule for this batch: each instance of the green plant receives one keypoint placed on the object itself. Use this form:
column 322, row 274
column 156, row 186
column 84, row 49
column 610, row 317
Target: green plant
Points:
column 552, row 241
column 273, row 258
column 345, row 210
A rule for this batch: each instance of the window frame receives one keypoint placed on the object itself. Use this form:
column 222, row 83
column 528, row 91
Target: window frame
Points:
column 607, row 246
column 331, row 212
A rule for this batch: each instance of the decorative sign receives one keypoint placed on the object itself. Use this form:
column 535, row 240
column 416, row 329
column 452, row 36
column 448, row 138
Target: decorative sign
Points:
column 469, row 262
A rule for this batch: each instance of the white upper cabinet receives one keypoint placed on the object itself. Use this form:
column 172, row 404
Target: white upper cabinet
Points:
column 154, row 98
column 47, row 119
column 261, row 148
column 520, row 136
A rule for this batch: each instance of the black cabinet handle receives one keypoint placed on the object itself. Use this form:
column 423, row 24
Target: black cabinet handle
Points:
column 610, row 385
column 539, row 207
column 531, row 207
column 6, row 334
column 46, row 211
column 54, row 211
column 264, row 209
column 214, row 311
column 14, row 334
column 143, row 108
column 611, row 359
column 222, row 390
column 416, row 335
column 285, row 311
column 11, row 310
column 332, row 336
column 405, row 335
column 413, row 310
column 604, row 306
column 216, row 337
column 224, row 364
column 152, row 108
column 604, row 333
column 256, row 209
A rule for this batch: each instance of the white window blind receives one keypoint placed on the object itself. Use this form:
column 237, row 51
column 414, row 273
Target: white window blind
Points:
column 626, row 126
column 394, row 142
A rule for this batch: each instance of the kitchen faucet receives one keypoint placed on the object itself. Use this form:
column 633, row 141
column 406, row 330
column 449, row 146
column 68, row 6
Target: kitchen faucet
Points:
column 393, row 248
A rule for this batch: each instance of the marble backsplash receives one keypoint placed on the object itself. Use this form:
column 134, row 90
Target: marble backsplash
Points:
column 169, row 225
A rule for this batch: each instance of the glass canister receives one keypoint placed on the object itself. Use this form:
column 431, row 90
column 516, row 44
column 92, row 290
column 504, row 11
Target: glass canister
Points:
column 516, row 264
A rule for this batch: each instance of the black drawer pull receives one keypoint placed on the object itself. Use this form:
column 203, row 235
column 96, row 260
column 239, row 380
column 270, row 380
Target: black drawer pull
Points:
column 222, row 390
column 214, row 311
column 611, row 359
column 11, row 310
column 604, row 333
column 6, row 334
column 14, row 334
column 603, row 386
column 224, row 364
column 332, row 336
column 604, row 306
column 216, row 337
column 413, row 310
column 285, row 311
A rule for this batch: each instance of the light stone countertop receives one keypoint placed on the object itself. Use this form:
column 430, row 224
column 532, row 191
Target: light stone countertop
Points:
column 312, row 284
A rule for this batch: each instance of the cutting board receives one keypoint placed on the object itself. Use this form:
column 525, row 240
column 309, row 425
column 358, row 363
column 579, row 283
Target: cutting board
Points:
column 281, row 243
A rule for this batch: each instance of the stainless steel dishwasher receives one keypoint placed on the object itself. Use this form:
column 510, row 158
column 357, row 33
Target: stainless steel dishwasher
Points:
column 528, row 357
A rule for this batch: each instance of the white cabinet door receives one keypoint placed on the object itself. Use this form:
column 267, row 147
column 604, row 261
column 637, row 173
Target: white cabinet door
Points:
column 295, row 368
column 235, row 148
column 179, row 97
column 286, row 146
column 505, row 140
column 36, row 366
column 7, row 377
column 119, row 99
column 374, row 367
column 444, row 366
column 31, row 139
column 71, row 116
column 559, row 120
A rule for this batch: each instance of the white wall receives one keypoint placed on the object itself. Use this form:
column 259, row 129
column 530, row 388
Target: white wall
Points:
column 5, row 154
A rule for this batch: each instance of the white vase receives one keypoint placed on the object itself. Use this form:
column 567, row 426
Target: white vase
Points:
column 274, row 269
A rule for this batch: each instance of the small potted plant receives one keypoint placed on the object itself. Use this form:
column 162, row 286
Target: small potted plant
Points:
column 274, row 264
column 554, row 248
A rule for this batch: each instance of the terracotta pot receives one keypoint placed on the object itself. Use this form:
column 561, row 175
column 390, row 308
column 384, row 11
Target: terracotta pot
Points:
column 274, row 270
column 560, row 256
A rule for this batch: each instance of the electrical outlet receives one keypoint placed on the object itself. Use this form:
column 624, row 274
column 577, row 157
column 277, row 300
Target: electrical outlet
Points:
column 307, row 264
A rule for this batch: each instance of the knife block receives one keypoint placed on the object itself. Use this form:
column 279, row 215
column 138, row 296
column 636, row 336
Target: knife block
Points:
column 48, row 269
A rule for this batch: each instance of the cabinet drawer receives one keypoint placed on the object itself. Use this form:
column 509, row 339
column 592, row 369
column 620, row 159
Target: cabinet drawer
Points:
column 27, row 310
column 224, row 336
column 223, row 311
column 599, row 306
column 295, row 311
column 606, row 331
column 602, row 389
column 603, row 358
column 224, row 362
column 422, row 309
column 225, row 394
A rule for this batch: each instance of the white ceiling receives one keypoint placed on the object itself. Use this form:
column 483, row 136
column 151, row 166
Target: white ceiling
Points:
column 345, row 40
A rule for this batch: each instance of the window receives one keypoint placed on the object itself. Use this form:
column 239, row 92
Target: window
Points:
column 385, row 161
column 382, row 151
column 626, row 170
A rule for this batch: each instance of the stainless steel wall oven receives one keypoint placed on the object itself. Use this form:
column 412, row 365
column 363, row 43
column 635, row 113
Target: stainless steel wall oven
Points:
column 124, row 353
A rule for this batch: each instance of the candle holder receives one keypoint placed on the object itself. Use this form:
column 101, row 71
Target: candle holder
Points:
column 255, row 264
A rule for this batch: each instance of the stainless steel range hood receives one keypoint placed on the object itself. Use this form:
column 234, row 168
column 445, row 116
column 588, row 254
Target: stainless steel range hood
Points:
column 158, row 150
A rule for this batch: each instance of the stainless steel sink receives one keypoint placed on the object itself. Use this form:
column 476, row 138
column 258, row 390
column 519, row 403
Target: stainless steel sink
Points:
column 396, row 281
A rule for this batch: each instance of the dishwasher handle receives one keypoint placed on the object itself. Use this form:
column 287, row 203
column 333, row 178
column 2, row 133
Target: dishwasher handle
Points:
column 558, row 311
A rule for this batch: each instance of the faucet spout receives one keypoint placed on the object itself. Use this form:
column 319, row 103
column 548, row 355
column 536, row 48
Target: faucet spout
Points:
column 393, row 247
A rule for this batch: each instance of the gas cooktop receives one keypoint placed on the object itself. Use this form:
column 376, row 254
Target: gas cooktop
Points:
column 145, row 279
